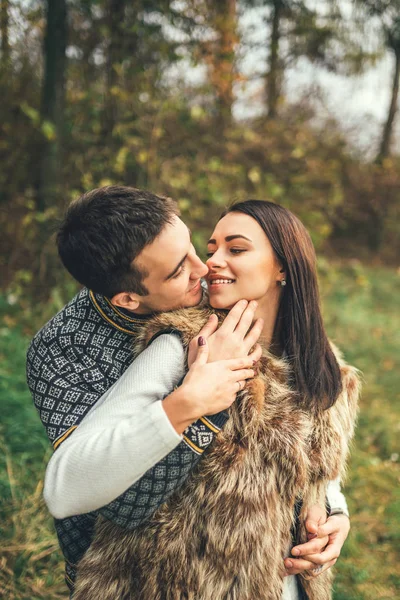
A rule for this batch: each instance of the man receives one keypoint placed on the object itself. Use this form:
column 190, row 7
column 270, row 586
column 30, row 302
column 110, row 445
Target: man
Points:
column 134, row 255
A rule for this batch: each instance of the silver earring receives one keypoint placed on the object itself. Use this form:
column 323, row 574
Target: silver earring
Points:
column 283, row 282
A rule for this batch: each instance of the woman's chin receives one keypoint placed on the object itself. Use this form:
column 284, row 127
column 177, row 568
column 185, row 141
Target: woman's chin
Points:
column 221, row 303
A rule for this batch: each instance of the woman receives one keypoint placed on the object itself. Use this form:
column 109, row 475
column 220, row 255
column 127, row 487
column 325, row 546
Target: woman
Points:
column 225, row 533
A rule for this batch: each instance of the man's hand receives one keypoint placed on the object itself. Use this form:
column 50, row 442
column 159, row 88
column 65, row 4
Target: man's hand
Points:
column 326, row 538
column 235, row 337
column 207, row 389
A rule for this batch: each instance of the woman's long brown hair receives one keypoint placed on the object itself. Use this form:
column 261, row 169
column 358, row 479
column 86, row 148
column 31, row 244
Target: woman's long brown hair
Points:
column 316, row 373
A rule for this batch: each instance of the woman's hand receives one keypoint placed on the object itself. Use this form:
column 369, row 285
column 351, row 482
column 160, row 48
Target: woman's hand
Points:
column 326, row 538
column 235, row 337
column 207, row 389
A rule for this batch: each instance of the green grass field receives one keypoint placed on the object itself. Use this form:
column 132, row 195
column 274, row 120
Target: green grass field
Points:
column 362, row 318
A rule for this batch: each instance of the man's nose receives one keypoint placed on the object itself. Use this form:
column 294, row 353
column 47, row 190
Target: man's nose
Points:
column 199, row 269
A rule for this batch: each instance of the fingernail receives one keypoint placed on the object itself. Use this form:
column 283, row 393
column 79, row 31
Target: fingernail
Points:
column 311, row 536
column 289, row 564
column 201, row 341
column 295, row 552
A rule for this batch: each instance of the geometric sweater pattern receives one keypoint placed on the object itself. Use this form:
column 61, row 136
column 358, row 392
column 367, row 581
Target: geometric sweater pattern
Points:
column 71, row 362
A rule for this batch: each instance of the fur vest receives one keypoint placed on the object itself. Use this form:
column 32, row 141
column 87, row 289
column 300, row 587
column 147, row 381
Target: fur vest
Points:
column 224, row 534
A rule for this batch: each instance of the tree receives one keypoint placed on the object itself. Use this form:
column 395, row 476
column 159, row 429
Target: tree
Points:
column 302, row 29
column 388, row 14
column 4, row 44
column 52, row 105
column 115, row 15
column 221, row 55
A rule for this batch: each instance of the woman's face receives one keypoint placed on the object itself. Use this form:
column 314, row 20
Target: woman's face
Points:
column 242, row 263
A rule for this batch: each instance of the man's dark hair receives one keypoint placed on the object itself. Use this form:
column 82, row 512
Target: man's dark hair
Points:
column 105, row 230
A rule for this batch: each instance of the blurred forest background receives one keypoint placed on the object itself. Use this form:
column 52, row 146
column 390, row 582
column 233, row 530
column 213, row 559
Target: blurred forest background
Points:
column 195, row 99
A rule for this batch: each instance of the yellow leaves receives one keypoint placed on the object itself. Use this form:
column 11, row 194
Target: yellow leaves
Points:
column 254, row 175
column 197, row 113
column 184, row 204
column 120, row 161
column 87, row 182
column 106, row 181
column 324, row 229
column 142, row 156
column 48, row 130
column 298, row 152
column 46, row 127
column 30, row 112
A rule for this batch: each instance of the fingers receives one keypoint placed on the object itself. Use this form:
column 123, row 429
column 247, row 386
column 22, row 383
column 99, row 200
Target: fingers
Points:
column 314, row 571
column 246, row 319
column 314, row 546
column 331, row 552
column 335, row 524
column 254, row 333
column 239, row 363
column 202, row 354
column 242, row 374
column 295, row 566
column 256, row 354
column 209, row 328
column 233, row 317
column 316, row 514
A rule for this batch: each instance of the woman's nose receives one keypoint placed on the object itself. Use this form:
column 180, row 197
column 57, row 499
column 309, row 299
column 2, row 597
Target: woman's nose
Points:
column 215, row 261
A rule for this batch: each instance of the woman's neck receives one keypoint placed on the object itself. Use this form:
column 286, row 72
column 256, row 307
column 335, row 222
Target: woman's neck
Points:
column 268, row 310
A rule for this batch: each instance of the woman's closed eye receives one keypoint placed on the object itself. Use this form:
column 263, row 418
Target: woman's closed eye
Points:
column 231, row 250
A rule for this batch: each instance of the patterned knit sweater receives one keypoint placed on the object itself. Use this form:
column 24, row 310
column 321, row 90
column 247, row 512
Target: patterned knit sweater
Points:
column 72, row 361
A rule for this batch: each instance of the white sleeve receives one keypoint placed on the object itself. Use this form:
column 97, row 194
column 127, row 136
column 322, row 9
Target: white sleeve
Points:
column 335, row 496
column 124, row 435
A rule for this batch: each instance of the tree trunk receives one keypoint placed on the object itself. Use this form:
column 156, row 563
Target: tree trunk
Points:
column 5, row 44
column 115, row 17
column 221, row 57
column 274, row 74
column 53, row 97
column 384, row 150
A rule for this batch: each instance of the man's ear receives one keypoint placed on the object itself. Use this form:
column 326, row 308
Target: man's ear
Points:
column 128, row 300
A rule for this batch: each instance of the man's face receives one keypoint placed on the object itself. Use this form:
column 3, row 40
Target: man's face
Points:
column 174, row 271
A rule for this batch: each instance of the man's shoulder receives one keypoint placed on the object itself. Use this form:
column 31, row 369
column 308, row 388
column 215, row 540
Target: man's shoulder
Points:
column 76, row 310
column 57, row 333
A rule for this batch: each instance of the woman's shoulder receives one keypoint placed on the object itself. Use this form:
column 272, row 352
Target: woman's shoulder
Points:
column 351, row 376
column 351, row 384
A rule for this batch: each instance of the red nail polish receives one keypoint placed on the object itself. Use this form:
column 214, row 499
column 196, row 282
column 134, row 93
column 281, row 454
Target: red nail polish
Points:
column 201, row 341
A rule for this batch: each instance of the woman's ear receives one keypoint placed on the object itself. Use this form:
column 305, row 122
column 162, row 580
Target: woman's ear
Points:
column 282, row 276
column 127, row 300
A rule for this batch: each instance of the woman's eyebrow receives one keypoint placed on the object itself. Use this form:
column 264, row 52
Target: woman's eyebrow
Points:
column 229, row 238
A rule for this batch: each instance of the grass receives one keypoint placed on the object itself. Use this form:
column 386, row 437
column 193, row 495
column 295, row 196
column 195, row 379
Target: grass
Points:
column 361, row 314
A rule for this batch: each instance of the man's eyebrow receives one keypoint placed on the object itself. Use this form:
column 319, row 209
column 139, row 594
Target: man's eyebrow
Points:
column 178, row 266
column 229, row 238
